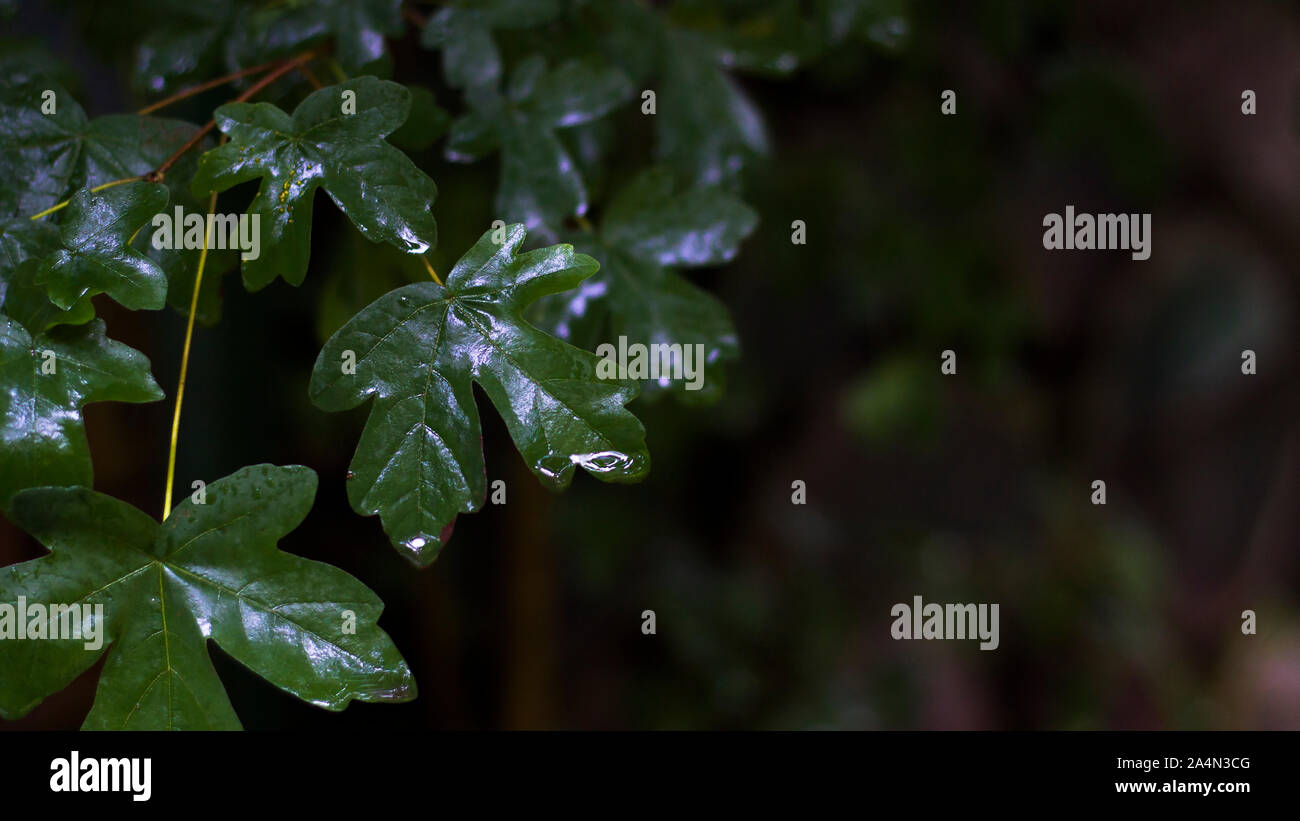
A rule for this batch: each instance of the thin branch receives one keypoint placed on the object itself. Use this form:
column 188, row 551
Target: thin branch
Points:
column 160, row 172
column 311, row 78
column 185, row 359
column 202, row 87
column 64, row 204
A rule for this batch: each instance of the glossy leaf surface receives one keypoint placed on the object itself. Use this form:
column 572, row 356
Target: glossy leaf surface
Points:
column 320, row 146
column 94, row 254
column 210, row 571
column 418, row 351
column 48, row 379
column 28, row 302
column 47, row 157
column 50, row 157
column 23, row 239
column 650, row 229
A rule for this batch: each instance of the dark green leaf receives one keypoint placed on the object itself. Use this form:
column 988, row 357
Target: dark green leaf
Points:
column 469, row 57
column 589, row 145
column 701, row 226
column 186, row 43
column 384, row 194
column 708, row 129
column 210, row 571
column 48, row 158
column 24, row 244
column 649, row 229
column 357, row 26
column 463, row 33
column 22, row 239
column 653, row 305
column 181, row 264
column 40, row 154
column 29, row 303
column 94, row 254
column 426, row 124
column 540, row 183
column 631, row 36
column 573, row 93
column 45, row 443
column 419, row 349
column 24, row 60
column 476, row 133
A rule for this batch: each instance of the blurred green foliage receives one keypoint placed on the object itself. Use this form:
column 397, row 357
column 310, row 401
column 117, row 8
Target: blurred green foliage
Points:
column 923, row 235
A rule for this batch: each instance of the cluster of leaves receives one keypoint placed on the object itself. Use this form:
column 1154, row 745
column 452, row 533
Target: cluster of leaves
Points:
column 540, row 84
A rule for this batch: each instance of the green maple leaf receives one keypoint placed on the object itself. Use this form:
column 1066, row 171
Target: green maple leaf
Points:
column 95, row 255
column 649, row 230
column 187, row 42
column 708, row 128
column 210, row 571
column 49, row 445
column 23, row 239
column 24, row 59
column 418, row 351
column 199, row 40
column 462, row 31
column 24, row 300
column 40, row 411
column 40, row 152
column 540, row 183
column 384, row 194
column 48, row 158
column 651, row 220
column 357, row 26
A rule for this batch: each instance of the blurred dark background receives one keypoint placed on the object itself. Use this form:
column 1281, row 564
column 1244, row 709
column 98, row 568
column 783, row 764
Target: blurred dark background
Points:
column 924, row 234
